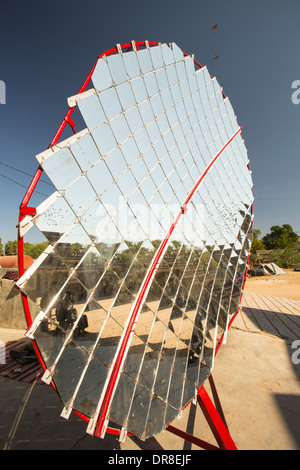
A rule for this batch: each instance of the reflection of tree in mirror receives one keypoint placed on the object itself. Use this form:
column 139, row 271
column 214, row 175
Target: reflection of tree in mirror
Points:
column 187, row 277
column 76, row 250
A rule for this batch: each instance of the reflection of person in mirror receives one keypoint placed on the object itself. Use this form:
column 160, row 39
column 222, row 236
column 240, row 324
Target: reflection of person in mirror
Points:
column 46, row 298
column 48, row 295
column 66, row 314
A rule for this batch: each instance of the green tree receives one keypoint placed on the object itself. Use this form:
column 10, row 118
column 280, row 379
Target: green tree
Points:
column 31, row 249
column 257, row 244
column 34, row 249
column 11, row 248
column 280, row 238
column 1, row 247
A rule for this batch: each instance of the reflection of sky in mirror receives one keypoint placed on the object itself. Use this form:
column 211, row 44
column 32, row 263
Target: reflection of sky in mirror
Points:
column 150, row 137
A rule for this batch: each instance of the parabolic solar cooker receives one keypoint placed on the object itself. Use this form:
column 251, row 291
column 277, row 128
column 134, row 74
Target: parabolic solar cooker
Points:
column 149, row 228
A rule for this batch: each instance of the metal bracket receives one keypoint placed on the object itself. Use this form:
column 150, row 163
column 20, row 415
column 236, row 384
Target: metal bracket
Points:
column 70, row 122
column 28, row 211
column 123, row 435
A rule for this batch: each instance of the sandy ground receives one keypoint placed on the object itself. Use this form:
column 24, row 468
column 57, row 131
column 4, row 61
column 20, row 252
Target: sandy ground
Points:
column 286, row 286
column 258, row 385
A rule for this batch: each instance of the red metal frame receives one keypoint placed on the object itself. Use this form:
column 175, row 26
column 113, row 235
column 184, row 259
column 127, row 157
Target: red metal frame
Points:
column 213, row 414
column 220, row 431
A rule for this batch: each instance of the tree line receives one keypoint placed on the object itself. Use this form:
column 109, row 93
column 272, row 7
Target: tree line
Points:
column 34, row 250
column 280, row 238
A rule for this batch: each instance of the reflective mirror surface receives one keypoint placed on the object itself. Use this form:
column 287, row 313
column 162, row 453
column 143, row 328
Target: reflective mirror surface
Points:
column 151, row 224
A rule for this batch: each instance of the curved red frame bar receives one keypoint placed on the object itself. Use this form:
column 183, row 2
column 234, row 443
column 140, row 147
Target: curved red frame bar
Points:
column 25, row 210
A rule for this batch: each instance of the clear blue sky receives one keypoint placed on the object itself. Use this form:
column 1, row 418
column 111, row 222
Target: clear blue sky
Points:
column 48, row 48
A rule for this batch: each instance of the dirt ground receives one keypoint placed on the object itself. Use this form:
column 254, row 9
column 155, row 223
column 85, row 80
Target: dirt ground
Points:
column 286, row 286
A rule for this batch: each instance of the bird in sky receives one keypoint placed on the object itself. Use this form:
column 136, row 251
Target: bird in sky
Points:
column 216, row 57
column 214, row 27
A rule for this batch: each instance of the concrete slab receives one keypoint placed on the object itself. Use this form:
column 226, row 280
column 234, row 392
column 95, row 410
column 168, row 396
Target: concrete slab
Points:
column 257, row 382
